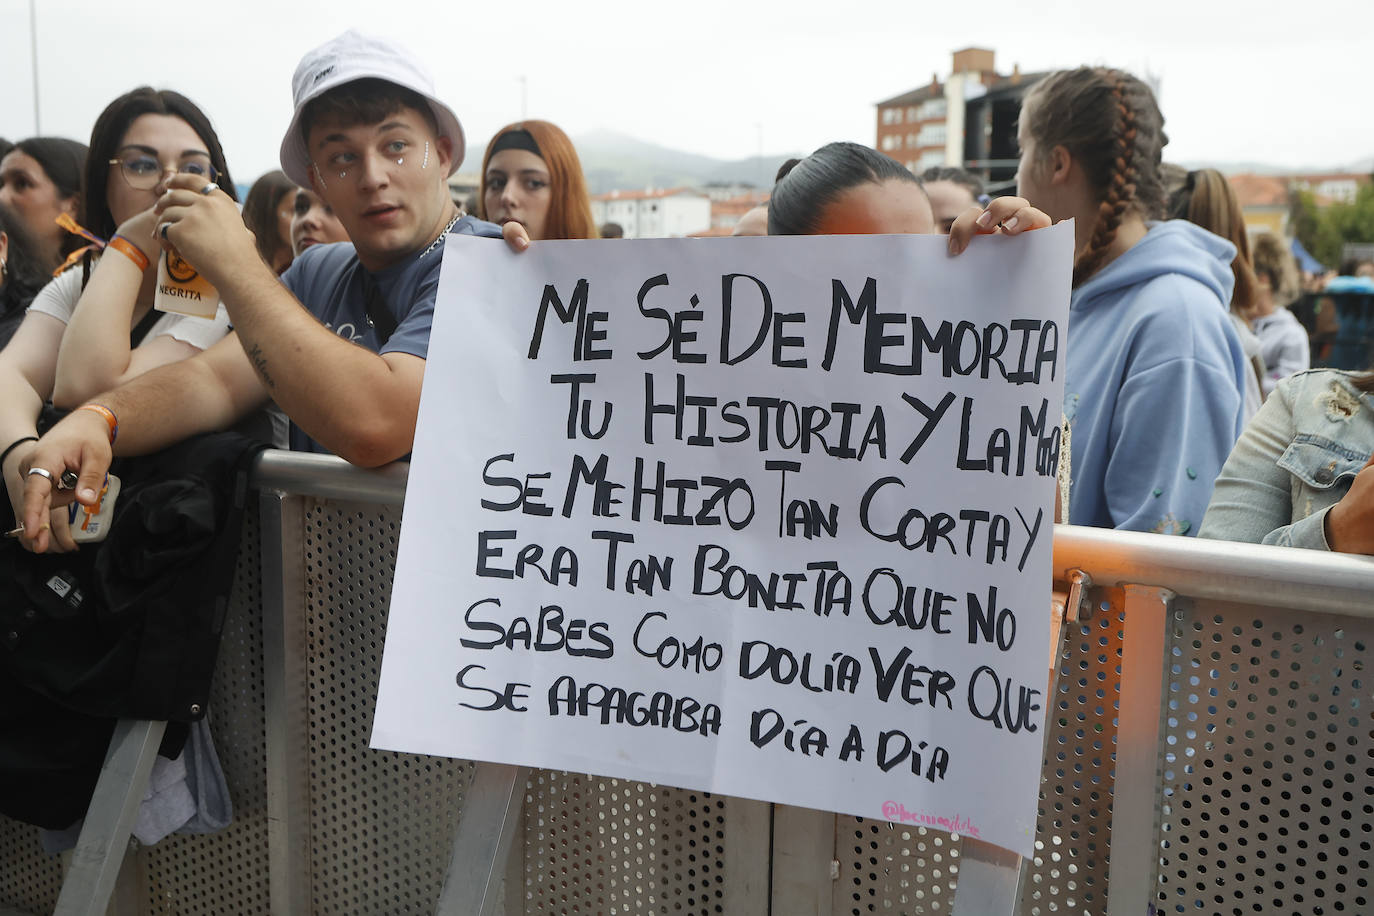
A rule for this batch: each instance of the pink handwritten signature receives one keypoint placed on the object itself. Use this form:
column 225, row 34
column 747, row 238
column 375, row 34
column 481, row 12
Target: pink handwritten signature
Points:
column 896, row 811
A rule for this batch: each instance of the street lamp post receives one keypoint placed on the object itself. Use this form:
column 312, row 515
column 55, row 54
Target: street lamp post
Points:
column 33, row 56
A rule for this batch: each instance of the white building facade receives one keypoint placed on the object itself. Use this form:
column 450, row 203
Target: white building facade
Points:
column 654, row 214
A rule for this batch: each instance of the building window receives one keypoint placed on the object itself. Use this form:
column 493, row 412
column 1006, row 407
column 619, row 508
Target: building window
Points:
column 930, row 109
column 911, row 141
column 931, row 135
column 1344, row 190
column 911, row 113
column 891, row 143
column 929, row 159
column 892, row 116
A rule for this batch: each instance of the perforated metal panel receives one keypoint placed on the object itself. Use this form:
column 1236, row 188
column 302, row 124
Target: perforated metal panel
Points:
column 1267, row 769
column 1073, row 829
column 1265, row 754
column 226, row 872
column 191, row 875
column 886, row 868
column 613, row 847
column 29, row 879
column 381, row 824
column 889, row 868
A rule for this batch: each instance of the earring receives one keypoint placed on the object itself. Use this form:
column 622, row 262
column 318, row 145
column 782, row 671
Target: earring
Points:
column 319, row 174
column 4, row 272
column 425, row 162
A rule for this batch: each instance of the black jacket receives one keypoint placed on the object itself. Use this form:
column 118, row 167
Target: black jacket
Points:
column 128, row 628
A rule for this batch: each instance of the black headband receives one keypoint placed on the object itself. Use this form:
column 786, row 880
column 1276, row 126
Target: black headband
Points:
column 516, row 139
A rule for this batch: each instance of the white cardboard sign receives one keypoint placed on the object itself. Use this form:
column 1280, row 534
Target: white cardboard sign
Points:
column 767, row 517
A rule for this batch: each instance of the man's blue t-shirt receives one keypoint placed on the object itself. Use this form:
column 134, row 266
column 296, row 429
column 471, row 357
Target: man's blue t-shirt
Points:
column 331, row 284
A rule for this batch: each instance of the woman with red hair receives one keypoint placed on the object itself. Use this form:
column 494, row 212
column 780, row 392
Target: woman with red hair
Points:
column 531, row 175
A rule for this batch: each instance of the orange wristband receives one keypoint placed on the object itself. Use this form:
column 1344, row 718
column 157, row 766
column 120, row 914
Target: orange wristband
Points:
column 124, row 246
column 109, row 416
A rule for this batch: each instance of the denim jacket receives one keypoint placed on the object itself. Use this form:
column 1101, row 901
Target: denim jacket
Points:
column 1296, row 459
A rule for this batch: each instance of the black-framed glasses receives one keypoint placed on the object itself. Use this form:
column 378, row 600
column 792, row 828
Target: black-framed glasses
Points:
column 143, row 172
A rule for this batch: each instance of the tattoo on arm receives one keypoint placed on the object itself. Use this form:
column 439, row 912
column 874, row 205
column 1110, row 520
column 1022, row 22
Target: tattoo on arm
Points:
column 259, row 362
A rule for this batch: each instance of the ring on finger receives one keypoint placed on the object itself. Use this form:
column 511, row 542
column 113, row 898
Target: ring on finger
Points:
column 209, row 188
column 43, row 472
column 162, row 230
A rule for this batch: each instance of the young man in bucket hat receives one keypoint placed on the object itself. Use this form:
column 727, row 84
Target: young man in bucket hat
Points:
column 369, row 136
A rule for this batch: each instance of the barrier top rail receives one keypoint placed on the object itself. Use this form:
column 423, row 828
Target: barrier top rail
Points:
column 1273, row 576
column 328, row 477
column 1290, row 577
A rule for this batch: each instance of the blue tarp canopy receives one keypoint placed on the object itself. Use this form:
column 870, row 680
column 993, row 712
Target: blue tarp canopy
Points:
column 1306, row 262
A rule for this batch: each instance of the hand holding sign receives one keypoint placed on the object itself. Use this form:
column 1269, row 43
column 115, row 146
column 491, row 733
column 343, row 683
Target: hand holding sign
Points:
column 763, row 517
column 1003, row 215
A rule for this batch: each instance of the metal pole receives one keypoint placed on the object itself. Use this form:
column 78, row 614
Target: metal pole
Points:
column 763, row 172
column 33, row 56
column 492, row 816
column 110, row 818
column 1133, row 874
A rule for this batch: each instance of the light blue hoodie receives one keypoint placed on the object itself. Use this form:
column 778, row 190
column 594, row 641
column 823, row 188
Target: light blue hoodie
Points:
column 1153, row 382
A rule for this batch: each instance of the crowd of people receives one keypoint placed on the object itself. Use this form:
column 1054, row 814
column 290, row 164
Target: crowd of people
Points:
column 1178, row 331
column 1184, row 376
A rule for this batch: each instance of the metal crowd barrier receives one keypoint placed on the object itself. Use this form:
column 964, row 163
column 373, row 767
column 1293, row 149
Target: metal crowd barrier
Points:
column 1209, row 749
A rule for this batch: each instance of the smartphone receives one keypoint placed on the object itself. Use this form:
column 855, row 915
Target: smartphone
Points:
column 91, row 523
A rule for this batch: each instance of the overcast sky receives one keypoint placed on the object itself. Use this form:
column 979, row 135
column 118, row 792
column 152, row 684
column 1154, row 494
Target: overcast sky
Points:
column 725, row 78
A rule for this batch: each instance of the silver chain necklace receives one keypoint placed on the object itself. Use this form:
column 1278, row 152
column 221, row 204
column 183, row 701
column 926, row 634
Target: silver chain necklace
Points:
column 440, row 240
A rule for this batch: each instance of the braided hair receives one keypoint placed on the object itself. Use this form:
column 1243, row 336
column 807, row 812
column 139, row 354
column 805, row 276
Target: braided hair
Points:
column 1109, row 122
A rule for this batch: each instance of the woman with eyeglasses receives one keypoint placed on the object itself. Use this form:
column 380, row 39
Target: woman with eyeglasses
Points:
column 93, row 327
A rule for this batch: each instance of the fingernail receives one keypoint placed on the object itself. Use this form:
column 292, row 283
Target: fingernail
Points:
column 86, row 493
column 954, row 246
column 1010, row 224
column 984, row 219
column 522, row 243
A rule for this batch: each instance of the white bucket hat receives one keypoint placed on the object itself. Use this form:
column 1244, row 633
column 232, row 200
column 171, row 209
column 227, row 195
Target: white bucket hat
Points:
column 354, row 56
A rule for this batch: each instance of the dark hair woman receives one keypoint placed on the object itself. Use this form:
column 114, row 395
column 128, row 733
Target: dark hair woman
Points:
column 267, row 212
column 951, row 190
column 22, row 274
column 848, row 189
column 40, row 180
column 313, row 222
column 93, row 327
